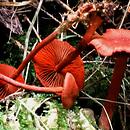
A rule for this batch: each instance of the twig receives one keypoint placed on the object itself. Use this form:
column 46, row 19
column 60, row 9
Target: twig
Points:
column 121, row 118
column 51, row 16
column 10, row 33
column 12, row 96
column 65, row 6
column 15, row 4
column 35, row 31
column 105, row 62
column 30, row 29
column 96, row 69
column 124, row 96
column 88, row 54
column 122, row 21
column 28, row 66
column 100, row 99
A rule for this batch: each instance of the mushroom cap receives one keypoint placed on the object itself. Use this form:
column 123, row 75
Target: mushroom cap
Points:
column 113, row 41
column 70, row 91
column 5, row 88
column 49, row 57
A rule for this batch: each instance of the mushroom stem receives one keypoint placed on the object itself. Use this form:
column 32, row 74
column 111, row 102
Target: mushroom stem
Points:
column 70, row 57
column 31, row 87
column 95, row 22
column 113, row 91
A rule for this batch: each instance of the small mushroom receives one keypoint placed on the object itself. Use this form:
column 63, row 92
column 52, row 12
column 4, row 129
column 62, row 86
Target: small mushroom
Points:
column 114, row 41
column 70, row 91
column 47, row 60
column 5, row 88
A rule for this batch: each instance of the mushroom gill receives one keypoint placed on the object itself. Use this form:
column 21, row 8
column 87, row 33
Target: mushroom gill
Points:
column 47, row 60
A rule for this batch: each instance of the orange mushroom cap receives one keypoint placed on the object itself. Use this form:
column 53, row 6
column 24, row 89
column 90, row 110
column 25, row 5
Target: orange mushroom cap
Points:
column 70, row 91
column 5, row 88
column 46, row 60
column 114, row 40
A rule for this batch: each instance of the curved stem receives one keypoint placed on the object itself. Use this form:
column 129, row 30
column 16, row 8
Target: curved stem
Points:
column 113, row 91
column 95, row 22
column 31, row 87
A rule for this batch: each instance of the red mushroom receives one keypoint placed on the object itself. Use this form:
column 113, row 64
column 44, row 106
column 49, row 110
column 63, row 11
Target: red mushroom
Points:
column 47, row 60
column 69, row 91
column 114, row 41
column 7, row 89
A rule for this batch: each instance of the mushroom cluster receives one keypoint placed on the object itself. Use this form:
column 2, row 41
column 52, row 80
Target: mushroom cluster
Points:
column 60, row 69
column 57, row 58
